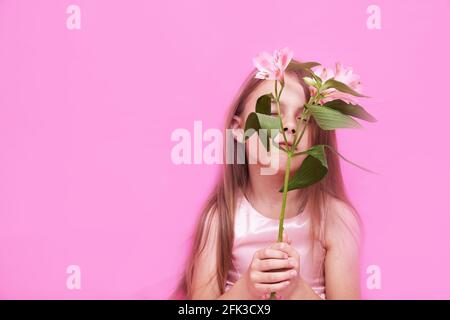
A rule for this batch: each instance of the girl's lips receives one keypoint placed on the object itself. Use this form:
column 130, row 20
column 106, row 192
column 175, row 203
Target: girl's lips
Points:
column 283, row 144
column 289, row 143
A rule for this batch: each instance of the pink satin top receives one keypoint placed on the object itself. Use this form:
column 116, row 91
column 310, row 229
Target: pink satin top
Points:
column 254, row 231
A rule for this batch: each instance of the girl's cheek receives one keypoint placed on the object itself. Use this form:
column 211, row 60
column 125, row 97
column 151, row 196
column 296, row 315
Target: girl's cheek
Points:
column 304, row 143
column 251, row 149
column 255, row 151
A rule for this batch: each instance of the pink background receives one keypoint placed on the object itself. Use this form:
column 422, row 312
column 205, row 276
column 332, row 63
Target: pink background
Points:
column 86, row 116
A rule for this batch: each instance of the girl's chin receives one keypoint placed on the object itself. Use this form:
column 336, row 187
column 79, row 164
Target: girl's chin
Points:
column 283, row 165
column 279, row 166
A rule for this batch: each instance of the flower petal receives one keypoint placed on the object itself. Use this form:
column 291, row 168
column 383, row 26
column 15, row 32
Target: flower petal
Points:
column 263, row 62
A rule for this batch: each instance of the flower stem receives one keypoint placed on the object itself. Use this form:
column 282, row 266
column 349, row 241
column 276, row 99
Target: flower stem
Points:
column 277, row 100
column 285, row 191
column 283, row 203
column 297, row 141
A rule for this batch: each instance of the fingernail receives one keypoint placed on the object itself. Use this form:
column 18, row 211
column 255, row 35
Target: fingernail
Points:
column 291, row 262
column 293, row 273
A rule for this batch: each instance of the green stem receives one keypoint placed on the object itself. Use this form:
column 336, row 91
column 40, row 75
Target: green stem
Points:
column 297, row 141
column 283, row 204
column 285, row 191
column 304, row 112
column 281, row 90
column 277, row 100
column 276, row 89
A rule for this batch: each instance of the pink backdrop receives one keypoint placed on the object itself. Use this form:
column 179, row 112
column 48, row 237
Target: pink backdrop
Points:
column 86, row 115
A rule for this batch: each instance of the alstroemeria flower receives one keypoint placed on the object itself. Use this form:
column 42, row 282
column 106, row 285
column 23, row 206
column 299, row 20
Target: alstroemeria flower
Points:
column 323, row 73
column 272, row 67
column 341, row 74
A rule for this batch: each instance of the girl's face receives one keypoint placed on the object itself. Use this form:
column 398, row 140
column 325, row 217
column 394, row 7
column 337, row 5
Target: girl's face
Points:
column 292, row 102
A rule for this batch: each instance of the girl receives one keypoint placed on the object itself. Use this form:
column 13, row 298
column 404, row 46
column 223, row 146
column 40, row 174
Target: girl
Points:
column 234, row 253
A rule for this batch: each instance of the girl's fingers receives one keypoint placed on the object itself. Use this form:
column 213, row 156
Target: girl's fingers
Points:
column 272, row 264
column 281, row 246
column 275, row 277
column 271, row 287
column 286, row 237
column 271, row 253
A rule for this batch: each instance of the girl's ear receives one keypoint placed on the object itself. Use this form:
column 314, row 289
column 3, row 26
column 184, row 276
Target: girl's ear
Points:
column 236, row 129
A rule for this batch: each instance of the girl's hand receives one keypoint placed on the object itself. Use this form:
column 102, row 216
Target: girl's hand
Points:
column 294, row 259
column 271, row 270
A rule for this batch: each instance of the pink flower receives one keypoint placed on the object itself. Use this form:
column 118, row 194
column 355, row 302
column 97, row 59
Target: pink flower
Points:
column 272, row 67
column 323, row 73
column 341, row 74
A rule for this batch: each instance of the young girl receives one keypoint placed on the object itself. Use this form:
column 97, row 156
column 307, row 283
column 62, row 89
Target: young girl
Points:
column 234, row 253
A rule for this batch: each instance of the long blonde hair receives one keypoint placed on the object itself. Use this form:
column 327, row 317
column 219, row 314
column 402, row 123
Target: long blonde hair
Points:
column 234, row 179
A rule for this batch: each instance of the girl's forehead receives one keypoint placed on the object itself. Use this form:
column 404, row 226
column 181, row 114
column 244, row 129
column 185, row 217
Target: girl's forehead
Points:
column 293, row 91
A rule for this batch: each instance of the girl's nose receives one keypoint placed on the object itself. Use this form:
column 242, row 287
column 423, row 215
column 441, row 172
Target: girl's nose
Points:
column 291, row 130
column 290, row 122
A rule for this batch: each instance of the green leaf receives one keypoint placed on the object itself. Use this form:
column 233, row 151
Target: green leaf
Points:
column 330, row 119
column 257, row 121
column 317, row 151
column 352, row 163
column 354, row 110
column 342, row 87
column 314, row 167
column 264, row 104
column 269, row 122
column 303, row 65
